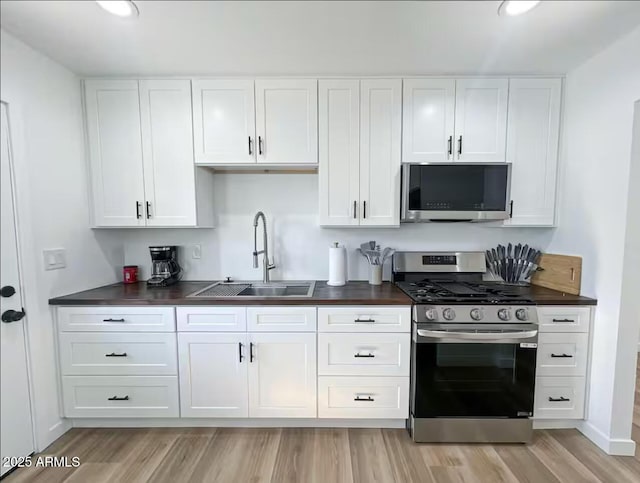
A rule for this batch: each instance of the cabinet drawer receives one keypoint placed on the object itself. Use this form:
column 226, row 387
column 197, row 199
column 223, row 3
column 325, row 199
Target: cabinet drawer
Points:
column 116, row 319
column 212, row 319
column 364, row 354
column 369, row 318
column 363, row 397
column 120, row 396
column 91, row 353
column 562, row 354
column 559, row 398
column 564, row 319
column 281, row 319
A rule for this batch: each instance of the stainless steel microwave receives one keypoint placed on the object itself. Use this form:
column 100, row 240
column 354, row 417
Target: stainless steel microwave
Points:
column 456, row 192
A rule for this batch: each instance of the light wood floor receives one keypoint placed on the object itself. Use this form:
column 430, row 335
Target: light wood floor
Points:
column 237, row 455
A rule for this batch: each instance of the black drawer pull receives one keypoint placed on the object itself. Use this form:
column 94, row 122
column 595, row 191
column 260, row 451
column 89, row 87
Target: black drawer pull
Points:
column 559, row 399
column 363, row 355
column 369, row 321
column 561, row 356
column 116, row 398
column 113, row 320
column 563, row 320
column 368, row 398
column 113, row 354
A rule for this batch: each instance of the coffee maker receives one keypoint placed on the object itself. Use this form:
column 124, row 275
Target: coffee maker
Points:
column 164, row 266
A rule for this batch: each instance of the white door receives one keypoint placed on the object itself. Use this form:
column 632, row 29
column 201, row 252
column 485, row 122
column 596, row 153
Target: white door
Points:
column 224, row 121
column 15, row 404
column 115, row 150
column 287, row 121
column 282, row 375
column 427, row 127
column 167, row 146
column 481, row 120
column 339, row 150
column 380, row 132
column 532, row 147
column 213, row 374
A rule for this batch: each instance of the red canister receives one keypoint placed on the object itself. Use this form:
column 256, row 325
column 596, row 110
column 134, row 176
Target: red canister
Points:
column 130, row 273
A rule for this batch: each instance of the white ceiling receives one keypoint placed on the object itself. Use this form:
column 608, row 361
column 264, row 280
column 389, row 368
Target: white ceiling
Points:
column 326, row 38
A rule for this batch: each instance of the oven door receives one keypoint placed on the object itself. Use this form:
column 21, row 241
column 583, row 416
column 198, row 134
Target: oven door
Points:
column 456, row 192
column 458, row 372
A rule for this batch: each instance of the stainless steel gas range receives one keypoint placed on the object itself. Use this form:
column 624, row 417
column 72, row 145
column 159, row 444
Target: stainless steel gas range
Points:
column 473, row 354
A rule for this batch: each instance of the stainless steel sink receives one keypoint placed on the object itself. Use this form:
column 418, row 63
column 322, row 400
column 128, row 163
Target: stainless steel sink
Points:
column 256, row 289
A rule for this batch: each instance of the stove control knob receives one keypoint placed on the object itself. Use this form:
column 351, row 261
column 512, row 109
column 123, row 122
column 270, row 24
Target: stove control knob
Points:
column 431, row 315
column 449, row 314
column 504, row 314
column 522, row 314
column 476, row 314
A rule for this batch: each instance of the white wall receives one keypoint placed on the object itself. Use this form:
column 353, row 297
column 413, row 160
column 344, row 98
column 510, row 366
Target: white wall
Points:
column 299, row 246
column 593, row 213
column 46, row 129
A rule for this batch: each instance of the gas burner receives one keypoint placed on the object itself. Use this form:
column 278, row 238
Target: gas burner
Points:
column 461, row 292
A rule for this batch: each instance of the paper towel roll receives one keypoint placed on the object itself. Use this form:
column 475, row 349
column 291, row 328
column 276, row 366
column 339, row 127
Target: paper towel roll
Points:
column 337, row 265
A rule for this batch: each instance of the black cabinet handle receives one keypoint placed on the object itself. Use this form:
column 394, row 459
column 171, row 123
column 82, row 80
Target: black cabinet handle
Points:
column 355, row 205
column 450, row 146
column 250, row 150
column 363, row 355
column 368, row 398
column 113, row 320
column 148, row 209
column 559, row 399
column 251, row 352
column 563, row 320
column 364, row 209
column 116, row 398
column 138, row 206
column 260, row 145
column 460, row 145
column 10, row 315
column 511, row 209
column 561, row 356
column 8, row 290
column 241, row 357
column 113, row 354
column 369, row 321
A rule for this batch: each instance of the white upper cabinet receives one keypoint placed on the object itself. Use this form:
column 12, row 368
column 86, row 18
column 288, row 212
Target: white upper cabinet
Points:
column 115, row 150
column 287, row 121
column 428, row 114
column 167, row 147
column 481, row 120
column 224, row 121
column 380, row 132
column 532, row 147
column 339, row 150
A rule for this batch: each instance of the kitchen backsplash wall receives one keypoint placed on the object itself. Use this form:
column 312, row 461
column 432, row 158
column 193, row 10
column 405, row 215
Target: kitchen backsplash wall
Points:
column 298, row 246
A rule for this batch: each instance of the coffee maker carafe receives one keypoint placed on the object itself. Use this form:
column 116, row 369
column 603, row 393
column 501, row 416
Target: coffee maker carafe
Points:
column 164, row 266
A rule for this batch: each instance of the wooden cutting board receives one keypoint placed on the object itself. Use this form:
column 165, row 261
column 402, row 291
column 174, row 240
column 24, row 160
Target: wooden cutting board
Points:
column 561, row 272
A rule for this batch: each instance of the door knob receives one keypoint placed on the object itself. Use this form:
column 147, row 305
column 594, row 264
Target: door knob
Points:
column 7, row 291
column 9, row 316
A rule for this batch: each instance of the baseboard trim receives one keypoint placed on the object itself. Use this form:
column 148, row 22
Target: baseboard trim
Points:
column 238, row 423
column 53, row 433
column 614, row 447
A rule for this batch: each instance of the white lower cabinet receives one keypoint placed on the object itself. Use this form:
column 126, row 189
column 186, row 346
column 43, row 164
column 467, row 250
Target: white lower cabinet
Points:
column 282, row 375
column 213, row 374
column 559, row 398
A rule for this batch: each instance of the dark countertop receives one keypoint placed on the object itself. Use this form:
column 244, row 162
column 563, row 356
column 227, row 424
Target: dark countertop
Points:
column 353, row 293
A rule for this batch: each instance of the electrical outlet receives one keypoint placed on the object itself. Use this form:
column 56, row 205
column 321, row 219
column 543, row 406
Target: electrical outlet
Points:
column 54, row 259
column 196, row 252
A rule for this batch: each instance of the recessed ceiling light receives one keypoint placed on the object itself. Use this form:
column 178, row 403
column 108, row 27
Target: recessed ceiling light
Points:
column 121, row 8
column 516, row 7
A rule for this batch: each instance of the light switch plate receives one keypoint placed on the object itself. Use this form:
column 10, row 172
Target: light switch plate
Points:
column 196, row 252
column 54, row 259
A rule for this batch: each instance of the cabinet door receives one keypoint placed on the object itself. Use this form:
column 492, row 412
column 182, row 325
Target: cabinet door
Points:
column 213, row 374
column 532, row 147
column 287, row 121
column 481, row 120
column 115, row 151
column 282, row 375
column 380, row 124
column 224, row 121
column 427, row 127
column 167, row 146
column 339, row 151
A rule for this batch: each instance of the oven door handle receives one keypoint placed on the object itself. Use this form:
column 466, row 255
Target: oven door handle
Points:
column 477, row 336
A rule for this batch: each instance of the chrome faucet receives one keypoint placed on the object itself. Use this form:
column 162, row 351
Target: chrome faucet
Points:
column 266, row 265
